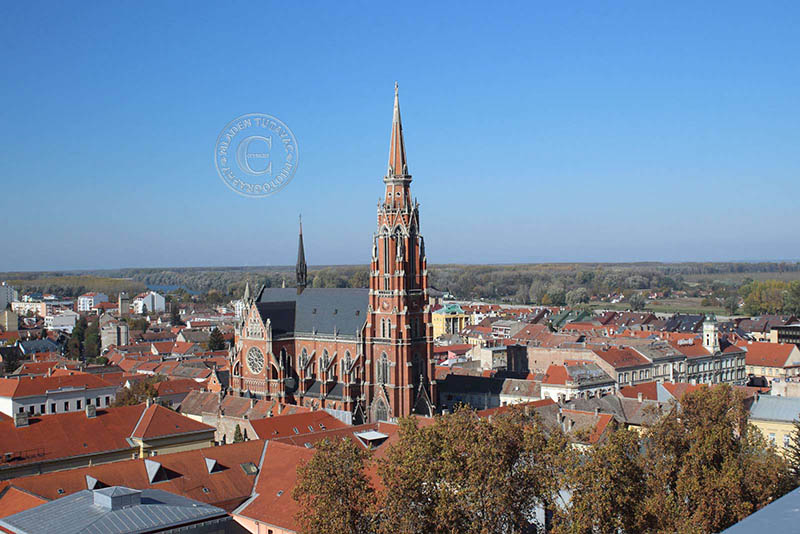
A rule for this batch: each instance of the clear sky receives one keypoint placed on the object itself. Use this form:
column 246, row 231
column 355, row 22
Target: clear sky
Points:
column 559, row 131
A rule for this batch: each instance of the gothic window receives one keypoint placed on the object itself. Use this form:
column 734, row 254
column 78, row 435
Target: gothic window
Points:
column 411, row 251
column 383, row 369
column 381, row 411
column 303, row 359
column 386, row 254
column 283, row 359
column 255, row 361
column 323, row 364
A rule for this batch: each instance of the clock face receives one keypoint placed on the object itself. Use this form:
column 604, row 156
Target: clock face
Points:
column 255, row 361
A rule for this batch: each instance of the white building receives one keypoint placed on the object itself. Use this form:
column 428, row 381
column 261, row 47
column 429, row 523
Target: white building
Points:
column 565, row 382
column 149, row 302
column 64, row 321
column 54, row 394
column 7, row 295
column 87, row 301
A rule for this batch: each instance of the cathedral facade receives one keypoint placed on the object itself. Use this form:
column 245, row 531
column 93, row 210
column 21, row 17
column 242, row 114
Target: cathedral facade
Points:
column 368, row 352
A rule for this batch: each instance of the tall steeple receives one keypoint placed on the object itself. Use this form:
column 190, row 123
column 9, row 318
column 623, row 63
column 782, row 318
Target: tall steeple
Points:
column 398, row 166
column 246, row 297
column 301, row 269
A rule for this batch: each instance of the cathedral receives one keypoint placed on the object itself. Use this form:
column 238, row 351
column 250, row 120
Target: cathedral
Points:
column 366, row 352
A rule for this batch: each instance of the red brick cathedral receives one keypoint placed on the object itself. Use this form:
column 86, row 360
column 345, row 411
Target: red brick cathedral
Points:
column 368, row 352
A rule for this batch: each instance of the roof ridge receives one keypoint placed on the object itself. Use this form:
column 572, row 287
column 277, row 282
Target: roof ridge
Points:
column 138, row 422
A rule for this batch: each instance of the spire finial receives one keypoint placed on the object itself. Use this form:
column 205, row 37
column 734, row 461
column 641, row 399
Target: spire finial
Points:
column 397, row 148
column 301, row 269
column 300, row 219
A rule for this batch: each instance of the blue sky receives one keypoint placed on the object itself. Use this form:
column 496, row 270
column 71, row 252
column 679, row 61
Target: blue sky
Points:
column 562, row 131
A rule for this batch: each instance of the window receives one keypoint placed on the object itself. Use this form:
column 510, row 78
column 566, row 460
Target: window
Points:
column 772, row 437
column 41, row 408
column 108, row 400
column 66, row 406
column 383, row 369
column 786, row 440
column 53, row 407
column 78, row 405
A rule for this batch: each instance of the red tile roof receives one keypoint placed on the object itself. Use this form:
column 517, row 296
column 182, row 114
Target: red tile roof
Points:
column 556, row 375
column 522, row 406
column 227, row 486
column 272, row 502
column 620, row 357
column 14, row 500
column 40, row 385
column 768, row 354
column 649, row 391
column 284, row 425
column 158, row 421
column 178, row 385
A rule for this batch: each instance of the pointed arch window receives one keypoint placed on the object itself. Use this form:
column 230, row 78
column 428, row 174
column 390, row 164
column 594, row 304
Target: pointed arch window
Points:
column 381, row 411
column 303, row 359
column 383, row 369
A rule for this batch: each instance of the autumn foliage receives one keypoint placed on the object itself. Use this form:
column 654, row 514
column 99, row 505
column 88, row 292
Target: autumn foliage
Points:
column 701, row 467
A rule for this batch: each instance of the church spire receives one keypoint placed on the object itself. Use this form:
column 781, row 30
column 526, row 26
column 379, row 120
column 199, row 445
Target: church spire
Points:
column 397, row 147
column 301, row 269
column 246, row 296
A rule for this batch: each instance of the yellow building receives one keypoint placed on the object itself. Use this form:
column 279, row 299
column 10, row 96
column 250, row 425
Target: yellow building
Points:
column 450, row 319
column 774, row 417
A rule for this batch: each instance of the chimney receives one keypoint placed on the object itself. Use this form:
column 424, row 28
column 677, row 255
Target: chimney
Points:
column 91, row 411
column 639, row 396
column 597, row 411
column 20, row 419
column 252, row 403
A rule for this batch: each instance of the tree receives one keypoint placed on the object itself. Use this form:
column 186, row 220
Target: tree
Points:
column 577, row 296
column 731, row 304
column 606, row 483
column 793, row 453
column 237, row 434
column 468, row 474
column 216, row 341
column 139, row 392
column 175, row 316
column 706, row 467
column 333, row 491
column 637, row 302
column 74, row 348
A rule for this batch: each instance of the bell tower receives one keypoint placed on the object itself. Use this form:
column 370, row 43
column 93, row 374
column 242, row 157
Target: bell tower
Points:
column 398, row 333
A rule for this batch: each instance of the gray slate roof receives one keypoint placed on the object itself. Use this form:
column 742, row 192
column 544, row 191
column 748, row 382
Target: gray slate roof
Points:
column 324, row 310
column 78, row 513
column 769, row 408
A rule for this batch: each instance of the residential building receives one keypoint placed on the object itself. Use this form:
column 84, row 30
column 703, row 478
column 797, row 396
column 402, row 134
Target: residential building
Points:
column 7, row 295
column 148, row 302
column 774, row 417
column 771, row 360
column 9, row 321
column 221, row 476
column 40, row 444
column 64, row 321
column 789, row 333
column 450, row 319
column 87, row 301
column 37, row 395
column 576, row 379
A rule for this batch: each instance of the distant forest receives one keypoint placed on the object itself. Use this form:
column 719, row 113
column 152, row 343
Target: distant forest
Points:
column 551, row 283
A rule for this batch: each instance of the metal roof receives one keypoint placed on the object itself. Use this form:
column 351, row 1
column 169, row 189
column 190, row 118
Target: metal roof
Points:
column 778, row 517
column 320, row 310
column 78, row 513
column 769, row 408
